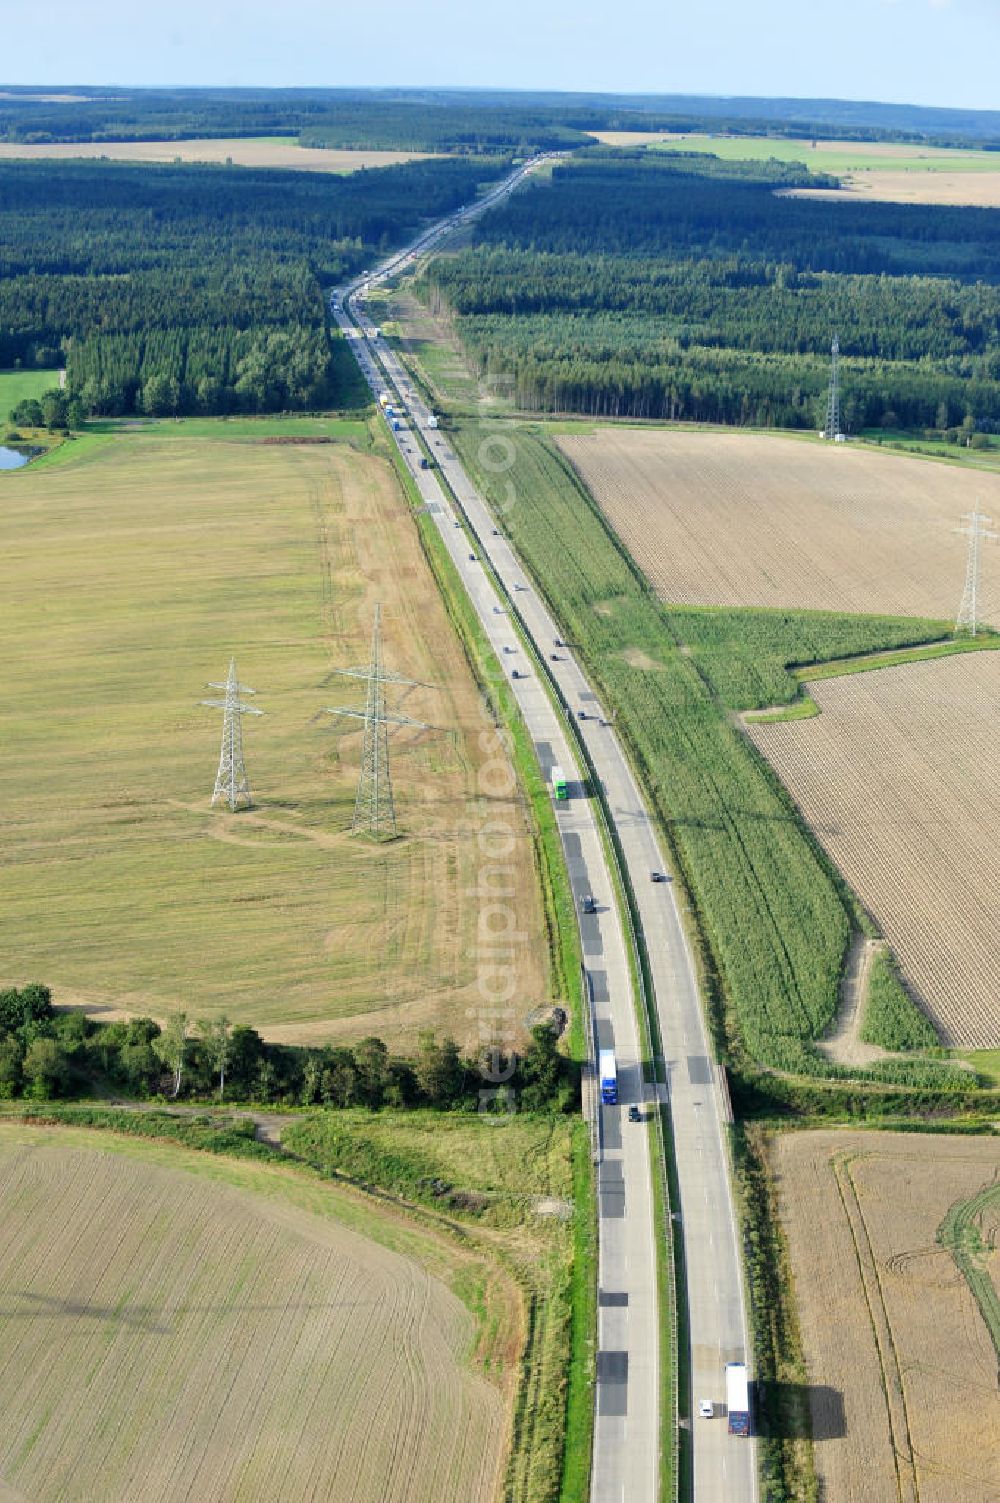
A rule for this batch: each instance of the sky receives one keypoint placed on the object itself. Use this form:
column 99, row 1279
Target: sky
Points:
column 930, row 52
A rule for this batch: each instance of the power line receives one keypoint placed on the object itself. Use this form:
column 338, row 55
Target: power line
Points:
column 832, row 428
column 976, row 530
column 231, row 781
column 374, row 806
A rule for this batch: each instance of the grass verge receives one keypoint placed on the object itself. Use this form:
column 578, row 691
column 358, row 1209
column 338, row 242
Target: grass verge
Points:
column 560, row 910
column 494, row 1176
column 787, row 1472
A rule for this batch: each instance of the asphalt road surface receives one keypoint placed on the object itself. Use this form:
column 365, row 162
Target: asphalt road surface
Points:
column 626, row 1441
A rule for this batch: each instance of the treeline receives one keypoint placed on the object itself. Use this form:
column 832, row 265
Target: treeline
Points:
column 483, row 117
column 431, row 127
column 666, row 204
column 45, row 1055
column 199, row 289
column 636, row 288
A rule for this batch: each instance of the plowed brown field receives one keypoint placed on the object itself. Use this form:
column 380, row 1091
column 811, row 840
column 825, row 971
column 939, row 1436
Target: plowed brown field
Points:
column 224, row 1331
column 750, row 519
column 901, row 1367
column 897, row 779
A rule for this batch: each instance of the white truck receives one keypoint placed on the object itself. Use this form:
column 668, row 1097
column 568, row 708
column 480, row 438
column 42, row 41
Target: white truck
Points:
column 738, row 1398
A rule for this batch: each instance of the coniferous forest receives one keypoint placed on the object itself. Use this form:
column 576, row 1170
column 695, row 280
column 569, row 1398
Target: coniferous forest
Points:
column 655, row 284
column 184, row 289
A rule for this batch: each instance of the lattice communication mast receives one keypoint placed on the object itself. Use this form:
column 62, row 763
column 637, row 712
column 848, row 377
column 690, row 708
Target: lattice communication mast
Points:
column 374, row 808
column 832, row 429
column 976, row 529
column 231, row 781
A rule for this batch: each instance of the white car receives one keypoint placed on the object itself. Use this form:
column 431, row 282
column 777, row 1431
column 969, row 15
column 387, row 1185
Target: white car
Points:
column 706, row 1409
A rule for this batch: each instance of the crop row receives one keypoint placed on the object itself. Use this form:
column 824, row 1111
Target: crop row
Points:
column 775, row 922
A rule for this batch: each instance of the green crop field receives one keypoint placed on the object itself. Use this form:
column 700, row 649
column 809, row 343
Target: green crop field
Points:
column 774, row 918
column 130, row 573
column 15, row 386
column 221, row 1329
column 832, row 156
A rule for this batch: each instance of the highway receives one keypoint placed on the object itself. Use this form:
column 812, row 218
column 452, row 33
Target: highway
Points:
column 627, row 1426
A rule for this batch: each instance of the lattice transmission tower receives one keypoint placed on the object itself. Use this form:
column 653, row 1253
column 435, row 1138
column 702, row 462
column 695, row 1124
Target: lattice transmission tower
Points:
column 976, row 530
column 832, row 429
column 374, row 807
column 231, row 781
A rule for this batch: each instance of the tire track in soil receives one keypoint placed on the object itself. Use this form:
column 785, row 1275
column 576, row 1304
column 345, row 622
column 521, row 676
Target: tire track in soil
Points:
column 892, row 1380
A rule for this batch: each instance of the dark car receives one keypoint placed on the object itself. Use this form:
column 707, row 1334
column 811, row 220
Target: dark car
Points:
column 589, row 905
column 634, row 1114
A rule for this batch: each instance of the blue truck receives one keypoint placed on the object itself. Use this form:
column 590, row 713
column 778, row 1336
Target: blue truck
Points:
column 609, row 1077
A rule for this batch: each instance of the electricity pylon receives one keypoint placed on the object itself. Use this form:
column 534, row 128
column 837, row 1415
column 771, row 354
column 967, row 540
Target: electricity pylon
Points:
column 832, row 428
column 374, row 809
column 968, row 612
column 231, row 781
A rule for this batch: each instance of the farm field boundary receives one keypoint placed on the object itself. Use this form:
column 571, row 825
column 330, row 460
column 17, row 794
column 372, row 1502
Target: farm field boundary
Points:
column 127, row 566
column 735, row 519
column 560, row 909
column 900, row 1367
column 739, row 842
column 895, row 776
column 806, row 707
column 203, row 1289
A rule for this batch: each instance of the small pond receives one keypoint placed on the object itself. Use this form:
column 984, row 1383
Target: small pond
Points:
column 12, row 459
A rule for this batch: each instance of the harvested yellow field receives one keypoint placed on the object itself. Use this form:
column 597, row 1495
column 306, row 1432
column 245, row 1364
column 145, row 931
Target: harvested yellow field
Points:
column 127, row 580
column 978, row 189
column 271, row 151
column 749, row 519
column 178, row 1326
column 897, row 780
column 901, row 1366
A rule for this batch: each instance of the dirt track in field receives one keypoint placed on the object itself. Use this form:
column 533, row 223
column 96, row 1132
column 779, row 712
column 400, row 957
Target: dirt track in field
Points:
column 897, row 779
column 176, row 1327
column 751, row 519
column 901, row 1367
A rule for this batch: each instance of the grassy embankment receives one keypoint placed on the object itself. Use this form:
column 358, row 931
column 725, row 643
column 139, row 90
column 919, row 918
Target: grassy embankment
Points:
column 773, row 916
column 560, row 909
